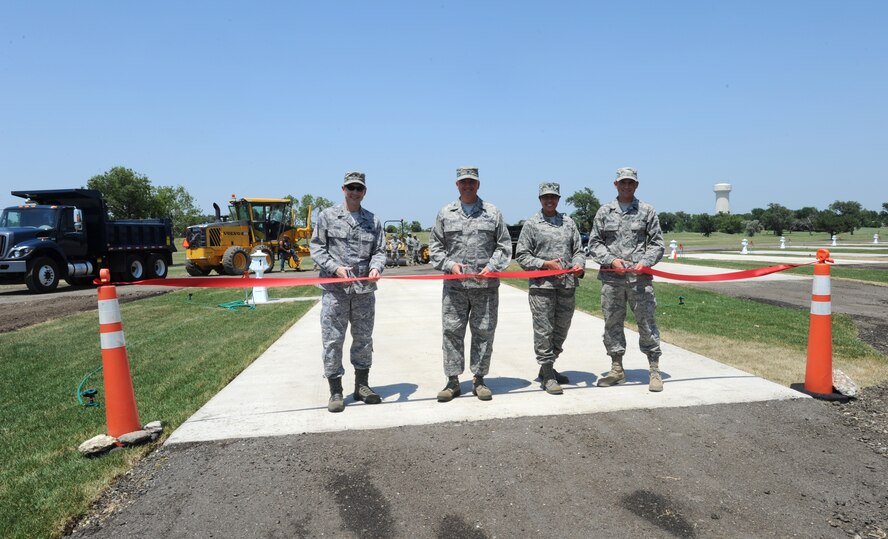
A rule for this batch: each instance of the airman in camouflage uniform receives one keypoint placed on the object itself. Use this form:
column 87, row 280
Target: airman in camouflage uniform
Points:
column 551, row 240
column 626, row 235
column 348, row 242
column 469, row 237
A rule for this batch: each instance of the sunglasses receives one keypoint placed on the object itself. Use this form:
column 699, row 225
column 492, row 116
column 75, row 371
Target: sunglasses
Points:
column 355, row 187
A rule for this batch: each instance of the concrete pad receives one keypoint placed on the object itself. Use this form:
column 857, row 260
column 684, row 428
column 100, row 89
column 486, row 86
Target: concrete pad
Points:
column 283, row 391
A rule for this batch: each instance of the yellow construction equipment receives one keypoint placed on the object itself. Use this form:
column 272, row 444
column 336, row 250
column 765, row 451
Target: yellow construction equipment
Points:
column 253, row 223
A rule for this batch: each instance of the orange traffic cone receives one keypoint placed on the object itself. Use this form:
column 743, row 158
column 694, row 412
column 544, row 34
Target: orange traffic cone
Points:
column 120, row 400
column 818, row 372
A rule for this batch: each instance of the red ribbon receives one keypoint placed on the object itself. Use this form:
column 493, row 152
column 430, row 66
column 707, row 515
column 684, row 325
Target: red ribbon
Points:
column 249, row 282
column 731, row 276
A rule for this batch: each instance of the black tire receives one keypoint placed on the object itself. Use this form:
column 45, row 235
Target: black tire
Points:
column 135, row 269
column 156, row 266
column 42, row 275
column 196, row 271
column 236, row 261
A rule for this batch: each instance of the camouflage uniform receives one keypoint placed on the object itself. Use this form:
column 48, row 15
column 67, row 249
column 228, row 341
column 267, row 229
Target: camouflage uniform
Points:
column 475, row 241
column 340, row 240
column 552, row 299
column 633, row 236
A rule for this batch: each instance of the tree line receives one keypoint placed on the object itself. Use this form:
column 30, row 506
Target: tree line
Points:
column 839, row 217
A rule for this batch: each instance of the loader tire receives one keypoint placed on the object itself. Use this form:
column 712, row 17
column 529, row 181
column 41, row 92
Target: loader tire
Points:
column 236, row 261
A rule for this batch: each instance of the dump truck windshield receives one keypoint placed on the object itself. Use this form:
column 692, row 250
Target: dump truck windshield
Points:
column 29, row 216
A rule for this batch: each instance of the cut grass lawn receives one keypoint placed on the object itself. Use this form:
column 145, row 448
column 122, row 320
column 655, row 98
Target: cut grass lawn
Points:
column 181, row 351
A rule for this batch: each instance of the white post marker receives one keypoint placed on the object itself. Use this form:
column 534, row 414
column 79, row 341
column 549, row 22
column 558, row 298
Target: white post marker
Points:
column 258, row 265
column 833, row 240
column 875, row 238
column 744, row 243
column 782, row 242
column 674, row 246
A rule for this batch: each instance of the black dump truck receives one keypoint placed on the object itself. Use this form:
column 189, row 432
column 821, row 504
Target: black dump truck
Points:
column 66, row 234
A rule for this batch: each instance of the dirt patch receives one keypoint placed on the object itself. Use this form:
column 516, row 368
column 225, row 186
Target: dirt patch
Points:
column 799, row 468
column 46, row 307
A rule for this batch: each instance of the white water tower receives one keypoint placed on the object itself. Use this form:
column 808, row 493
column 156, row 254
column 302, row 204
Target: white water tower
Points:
column 722, row 197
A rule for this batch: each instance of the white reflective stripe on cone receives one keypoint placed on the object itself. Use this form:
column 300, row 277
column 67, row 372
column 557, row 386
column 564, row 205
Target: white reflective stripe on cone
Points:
column 115, row 339
column 821, row 285
column 821, row 307
column 109, row 311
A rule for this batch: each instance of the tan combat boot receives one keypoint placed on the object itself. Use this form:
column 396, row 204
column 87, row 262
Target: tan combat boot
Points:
column 616, row 374
column 656, row 383
column 480, row 389
column 336, row 402
column 550, row 383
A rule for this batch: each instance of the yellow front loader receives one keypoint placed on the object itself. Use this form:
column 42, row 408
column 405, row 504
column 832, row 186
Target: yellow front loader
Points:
column 253, row 223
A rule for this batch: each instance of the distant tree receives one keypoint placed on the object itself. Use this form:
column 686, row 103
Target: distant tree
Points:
column 827, row 221
column 727, row 223
column 586, row 204
column 177, row 204
column 777, row 218
column 301, row 206
column 751, row 226
column 667, row 222
column 870, row 218
column 704, row 224
column 682, row 221
column 127, row 194
column 804, row 219
column 391, row 229
column 884, row 213
column 849, row 213
column 756, row 214
column 415, row 226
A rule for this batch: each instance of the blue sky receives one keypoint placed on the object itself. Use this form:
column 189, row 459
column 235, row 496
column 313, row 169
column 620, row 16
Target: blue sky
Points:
column 785, row 100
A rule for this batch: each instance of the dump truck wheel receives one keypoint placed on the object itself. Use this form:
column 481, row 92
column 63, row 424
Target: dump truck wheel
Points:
column 235, row 261
column 42, row 275
column 156, row 266
column 135, row 268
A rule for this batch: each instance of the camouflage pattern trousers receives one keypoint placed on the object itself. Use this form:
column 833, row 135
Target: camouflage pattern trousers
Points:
column 337, row 310
column 552, row 310
column 640, row 298
column 476, row 308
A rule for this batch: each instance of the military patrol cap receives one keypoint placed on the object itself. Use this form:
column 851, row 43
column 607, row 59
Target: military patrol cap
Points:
column 470, row 173
column 354, row 177
column 550, row 188
column 627, row 173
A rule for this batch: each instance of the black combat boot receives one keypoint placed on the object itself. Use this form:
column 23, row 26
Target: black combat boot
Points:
column 550, row 384
column 362, row 388
column 560, row 378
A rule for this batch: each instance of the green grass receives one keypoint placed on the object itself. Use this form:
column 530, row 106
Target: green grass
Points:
column 856, row 273
column 181, row 352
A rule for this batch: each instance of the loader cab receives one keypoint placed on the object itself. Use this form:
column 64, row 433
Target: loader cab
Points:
column 267, row 218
